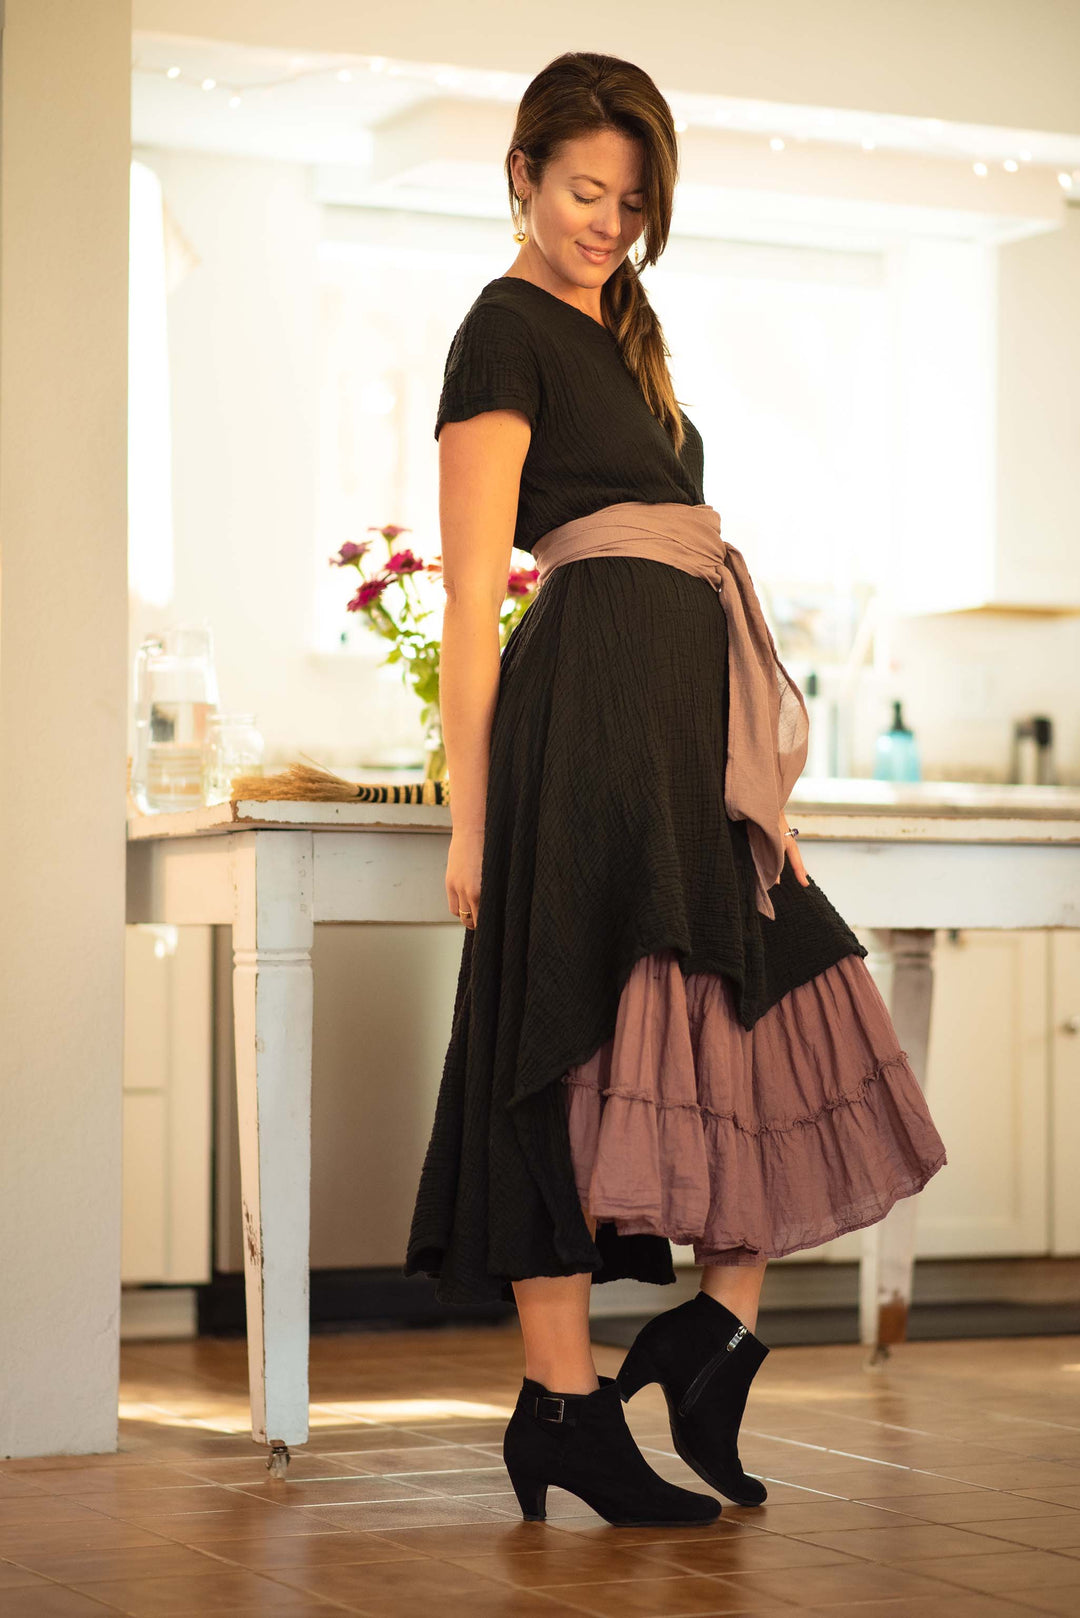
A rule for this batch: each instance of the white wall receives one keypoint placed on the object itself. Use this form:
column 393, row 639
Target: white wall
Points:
column 977, row 61
column 964, row 679
column 242, row 348
column 64, row 151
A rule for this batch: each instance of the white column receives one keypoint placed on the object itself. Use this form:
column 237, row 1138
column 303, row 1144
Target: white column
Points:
column 65, row 75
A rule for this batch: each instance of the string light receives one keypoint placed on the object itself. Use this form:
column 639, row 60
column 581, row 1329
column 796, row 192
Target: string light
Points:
column 447, row 75
column 376, row 64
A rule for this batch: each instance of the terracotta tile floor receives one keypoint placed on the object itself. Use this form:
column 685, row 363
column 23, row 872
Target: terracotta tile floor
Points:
column 945, row 1484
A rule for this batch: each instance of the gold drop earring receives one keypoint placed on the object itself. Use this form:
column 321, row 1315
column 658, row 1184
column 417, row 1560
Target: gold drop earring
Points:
column 520, row 234
column 637, row 255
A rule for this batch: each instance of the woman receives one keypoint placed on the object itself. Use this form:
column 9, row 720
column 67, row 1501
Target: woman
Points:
column 662, row 1028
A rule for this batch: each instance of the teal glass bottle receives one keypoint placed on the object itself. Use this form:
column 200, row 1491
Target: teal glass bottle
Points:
column 896, row 756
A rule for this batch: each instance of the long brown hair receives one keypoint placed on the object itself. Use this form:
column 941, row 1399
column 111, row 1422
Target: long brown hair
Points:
column 577, row 94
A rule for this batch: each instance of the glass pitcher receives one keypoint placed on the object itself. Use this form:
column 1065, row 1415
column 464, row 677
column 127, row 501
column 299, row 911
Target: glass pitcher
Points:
column 175, row 692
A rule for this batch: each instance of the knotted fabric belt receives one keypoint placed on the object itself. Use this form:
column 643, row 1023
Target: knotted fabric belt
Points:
column 768, row 726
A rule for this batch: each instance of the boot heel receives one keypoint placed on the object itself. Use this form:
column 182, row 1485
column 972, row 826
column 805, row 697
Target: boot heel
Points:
column 532, row 1496
column 635, row 1371
column 580, row 1443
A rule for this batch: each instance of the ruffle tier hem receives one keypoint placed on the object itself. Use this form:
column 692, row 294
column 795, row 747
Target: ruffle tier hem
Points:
column 748, row 1143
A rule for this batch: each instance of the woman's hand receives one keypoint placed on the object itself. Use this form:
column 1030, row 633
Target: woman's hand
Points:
column 794, row 853
column 463, row 874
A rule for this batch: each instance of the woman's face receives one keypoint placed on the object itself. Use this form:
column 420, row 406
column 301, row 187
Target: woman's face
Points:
column 586, row 214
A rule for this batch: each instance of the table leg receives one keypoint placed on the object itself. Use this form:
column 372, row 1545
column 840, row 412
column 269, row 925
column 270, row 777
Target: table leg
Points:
column 901, row 961
column 273, row 932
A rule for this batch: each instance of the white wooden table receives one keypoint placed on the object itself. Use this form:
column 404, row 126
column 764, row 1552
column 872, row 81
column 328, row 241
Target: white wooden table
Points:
column 899, row 861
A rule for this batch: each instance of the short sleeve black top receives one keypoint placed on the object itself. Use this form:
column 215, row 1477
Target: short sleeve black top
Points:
column 595, row 442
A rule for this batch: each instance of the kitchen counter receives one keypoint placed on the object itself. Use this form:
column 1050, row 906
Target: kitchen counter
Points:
column 900, row 807
column 863, row 795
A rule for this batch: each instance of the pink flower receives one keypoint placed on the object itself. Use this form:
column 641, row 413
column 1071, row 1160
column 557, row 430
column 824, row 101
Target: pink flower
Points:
column 369, row 591
column 521, row 580
column 404, row 562
column 391, row 531
column 349, row 552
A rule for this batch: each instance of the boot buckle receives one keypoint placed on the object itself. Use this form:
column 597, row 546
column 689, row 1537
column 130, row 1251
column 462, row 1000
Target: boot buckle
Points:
column 549, row 1398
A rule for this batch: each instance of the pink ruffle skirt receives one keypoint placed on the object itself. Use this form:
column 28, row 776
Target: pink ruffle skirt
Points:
column 748, row 1143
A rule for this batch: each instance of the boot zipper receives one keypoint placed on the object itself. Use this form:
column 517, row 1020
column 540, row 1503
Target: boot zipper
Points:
column 694, row 1390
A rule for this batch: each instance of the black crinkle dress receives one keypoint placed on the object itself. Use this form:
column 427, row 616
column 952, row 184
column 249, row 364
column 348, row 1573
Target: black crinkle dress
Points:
column 607, row 851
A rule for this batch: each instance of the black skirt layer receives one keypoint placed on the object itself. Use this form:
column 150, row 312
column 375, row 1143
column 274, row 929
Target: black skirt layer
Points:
column 606, row 839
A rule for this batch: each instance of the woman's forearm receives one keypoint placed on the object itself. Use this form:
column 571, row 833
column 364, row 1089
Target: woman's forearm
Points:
column 468, row 687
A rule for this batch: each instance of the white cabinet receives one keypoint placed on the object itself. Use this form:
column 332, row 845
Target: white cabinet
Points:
column 987, row 355
column 1036, row 557
column 1003, row 1085
column 1064, row 1116
column 167, row 1105
column 987, row 1088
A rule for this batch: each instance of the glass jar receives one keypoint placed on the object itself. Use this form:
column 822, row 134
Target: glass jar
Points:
column 233, row 747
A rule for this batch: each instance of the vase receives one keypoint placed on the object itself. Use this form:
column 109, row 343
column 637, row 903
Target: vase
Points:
column 434, row 748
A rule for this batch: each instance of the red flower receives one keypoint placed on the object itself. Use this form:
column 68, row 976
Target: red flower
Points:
column 349, row 552
column 369, row 591
column 404, row 562
column 521, row 580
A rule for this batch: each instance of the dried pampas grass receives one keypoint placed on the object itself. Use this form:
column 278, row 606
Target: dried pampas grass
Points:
column 313, row 783
column 309, row 781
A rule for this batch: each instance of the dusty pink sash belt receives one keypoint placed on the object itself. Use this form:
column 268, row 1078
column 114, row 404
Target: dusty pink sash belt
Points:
column 768, row 727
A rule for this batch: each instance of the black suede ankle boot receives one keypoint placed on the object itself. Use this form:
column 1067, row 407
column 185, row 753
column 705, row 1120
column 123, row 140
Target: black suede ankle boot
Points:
column 704, row 1359
column 580, row 1442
